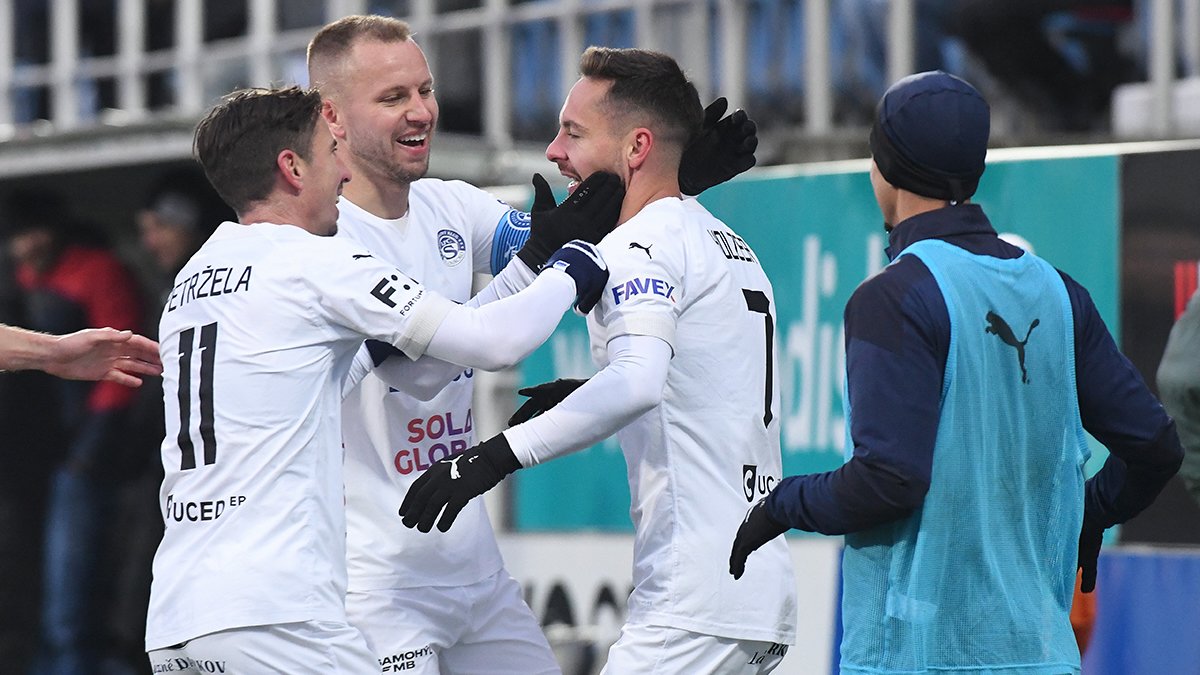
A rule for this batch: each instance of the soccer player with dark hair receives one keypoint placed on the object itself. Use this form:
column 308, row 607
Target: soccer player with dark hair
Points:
column 688, row 313
column 258, row 336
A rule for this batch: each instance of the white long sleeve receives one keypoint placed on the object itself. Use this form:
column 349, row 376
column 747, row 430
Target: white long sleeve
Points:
column 425, row 377
column 502, row 333
column 629, row 386
column 515, row 277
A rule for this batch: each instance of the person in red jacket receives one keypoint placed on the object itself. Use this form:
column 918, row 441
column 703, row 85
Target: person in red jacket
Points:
column 71, row 281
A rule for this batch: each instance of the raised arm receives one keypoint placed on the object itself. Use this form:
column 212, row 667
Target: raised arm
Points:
column 91, row 354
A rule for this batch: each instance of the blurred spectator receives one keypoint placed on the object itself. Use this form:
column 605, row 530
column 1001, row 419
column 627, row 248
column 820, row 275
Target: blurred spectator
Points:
column 27, row 442
column 178, row 213
column 69, row 282
column 1059, row 57
column 1179, row 386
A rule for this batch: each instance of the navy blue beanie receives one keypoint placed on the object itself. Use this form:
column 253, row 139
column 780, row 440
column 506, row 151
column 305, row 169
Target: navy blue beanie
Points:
column 930, row 136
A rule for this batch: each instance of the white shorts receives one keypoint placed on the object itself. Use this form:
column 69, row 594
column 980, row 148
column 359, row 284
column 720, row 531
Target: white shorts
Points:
column 316, row 647
column 660, row 650
column 483, row 628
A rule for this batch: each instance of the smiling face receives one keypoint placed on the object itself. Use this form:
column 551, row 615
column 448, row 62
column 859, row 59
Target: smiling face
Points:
column 385, row 109
column 325, row 174
column 587, row 141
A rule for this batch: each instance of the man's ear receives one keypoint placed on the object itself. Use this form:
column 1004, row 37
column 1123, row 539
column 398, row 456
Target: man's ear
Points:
column 290, row 167
column 329, row 112
column 641, row 141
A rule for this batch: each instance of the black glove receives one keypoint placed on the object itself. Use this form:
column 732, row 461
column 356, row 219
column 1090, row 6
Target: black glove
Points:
column 582, row 262
column 757, row 529
column 1090, row 538
column 452, row 482
column 543, row 397
column 381, row 351
column 588, row 213
column 723, row 149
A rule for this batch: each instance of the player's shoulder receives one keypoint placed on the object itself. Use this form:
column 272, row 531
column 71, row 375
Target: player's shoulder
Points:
column 304, row 250
column 439, row 190
column 662, row 222
column 902, row 287
column 456, row 199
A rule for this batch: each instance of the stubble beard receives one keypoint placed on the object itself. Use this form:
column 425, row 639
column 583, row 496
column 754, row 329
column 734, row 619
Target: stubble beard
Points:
column 383, row 163
column 401, row 175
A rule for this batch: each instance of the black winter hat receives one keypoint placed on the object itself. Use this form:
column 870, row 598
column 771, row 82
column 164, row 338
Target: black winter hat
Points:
column 930, row 136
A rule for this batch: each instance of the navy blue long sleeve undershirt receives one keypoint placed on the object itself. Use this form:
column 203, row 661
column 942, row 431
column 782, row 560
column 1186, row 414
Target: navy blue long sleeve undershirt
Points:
column 897, row 339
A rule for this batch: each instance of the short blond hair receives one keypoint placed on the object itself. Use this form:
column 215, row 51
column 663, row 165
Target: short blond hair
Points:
column 331, row 44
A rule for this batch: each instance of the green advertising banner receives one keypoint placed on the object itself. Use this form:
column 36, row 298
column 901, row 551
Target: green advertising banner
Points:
column 818, row 233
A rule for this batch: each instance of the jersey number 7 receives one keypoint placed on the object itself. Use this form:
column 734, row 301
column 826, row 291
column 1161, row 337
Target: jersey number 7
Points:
column 208, row 354
column 757, row 301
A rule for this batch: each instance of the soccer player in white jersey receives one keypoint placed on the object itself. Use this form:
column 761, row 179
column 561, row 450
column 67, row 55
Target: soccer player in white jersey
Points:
column 444, row 603
column 257, row 337
column 684, row 341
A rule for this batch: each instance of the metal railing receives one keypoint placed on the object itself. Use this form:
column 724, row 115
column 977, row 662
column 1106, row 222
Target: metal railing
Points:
column 710, row 38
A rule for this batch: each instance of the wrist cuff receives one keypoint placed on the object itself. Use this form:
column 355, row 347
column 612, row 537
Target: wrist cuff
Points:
column 500, row 454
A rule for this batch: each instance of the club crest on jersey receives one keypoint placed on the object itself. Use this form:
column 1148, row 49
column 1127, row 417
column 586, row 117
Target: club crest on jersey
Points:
column 635, row 287
column 518, row 220
column 451, row 246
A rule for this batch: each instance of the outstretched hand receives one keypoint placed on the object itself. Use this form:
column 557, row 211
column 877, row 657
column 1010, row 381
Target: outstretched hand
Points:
column 723, row 149
column 543, row 397
column 119, row 356
column 588, row 213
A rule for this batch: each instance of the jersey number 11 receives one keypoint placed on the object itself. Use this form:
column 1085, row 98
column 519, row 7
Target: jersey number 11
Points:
column 208, row 353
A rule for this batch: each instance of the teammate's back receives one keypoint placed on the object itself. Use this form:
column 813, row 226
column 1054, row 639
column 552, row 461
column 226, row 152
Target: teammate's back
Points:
column 255, row 356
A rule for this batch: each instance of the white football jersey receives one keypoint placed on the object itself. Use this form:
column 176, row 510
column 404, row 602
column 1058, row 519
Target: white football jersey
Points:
column 256, row 338
column 391, row 437
column 710, row 449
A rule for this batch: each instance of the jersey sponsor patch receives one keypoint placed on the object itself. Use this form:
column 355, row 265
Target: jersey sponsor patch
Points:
column 179, row 664
column 385, row 289
column 641, row 286
column 180, row 510
column 431, row 439
column 452, row 247
column 755, row 485
column 405, row 660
